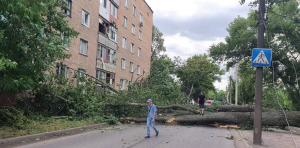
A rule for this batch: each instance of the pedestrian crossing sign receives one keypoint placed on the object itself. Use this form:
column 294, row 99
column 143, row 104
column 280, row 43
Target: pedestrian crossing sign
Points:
column 261, row 57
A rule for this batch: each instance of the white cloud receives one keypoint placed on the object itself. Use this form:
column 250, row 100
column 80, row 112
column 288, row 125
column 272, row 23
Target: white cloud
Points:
column 190, row 8
column 192, row 26
column 185, row 47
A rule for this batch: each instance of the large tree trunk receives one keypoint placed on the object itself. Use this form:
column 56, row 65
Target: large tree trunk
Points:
column 268, row 118
column 219, row 108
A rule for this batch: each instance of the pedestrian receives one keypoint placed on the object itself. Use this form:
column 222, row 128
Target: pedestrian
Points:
column 152, row 115
column 201, row 103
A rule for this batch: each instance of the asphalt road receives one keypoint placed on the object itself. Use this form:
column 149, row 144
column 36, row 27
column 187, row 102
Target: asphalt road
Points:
column 132, row 136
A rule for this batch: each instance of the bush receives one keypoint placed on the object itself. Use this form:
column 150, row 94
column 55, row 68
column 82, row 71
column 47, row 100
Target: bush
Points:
column 11, row 116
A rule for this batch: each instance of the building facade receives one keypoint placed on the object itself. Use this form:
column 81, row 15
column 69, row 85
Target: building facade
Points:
column 97, row 51
column 134, row 42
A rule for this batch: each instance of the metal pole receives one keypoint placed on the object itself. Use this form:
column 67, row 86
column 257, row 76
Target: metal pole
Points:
column 259, row 78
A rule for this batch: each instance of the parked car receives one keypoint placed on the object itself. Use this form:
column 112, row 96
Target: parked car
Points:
column 208, row 102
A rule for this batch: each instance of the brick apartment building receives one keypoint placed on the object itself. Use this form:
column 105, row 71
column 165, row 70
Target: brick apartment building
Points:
column 100, row 50
column 134, row 41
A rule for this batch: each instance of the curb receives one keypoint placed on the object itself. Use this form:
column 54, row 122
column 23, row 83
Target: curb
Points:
column 48, row 135
column 283, row 131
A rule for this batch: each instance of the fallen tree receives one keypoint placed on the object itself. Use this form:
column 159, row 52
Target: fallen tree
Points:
column 219, row 108
column 268, row 118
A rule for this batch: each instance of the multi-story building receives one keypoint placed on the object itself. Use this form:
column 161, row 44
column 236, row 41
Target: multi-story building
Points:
column 134, row 41
column 98, row 50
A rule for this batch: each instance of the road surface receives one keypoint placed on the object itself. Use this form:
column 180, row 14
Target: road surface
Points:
column 132, row 136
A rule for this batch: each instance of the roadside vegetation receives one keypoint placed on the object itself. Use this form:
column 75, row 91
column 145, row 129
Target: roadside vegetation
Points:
column 30, row 48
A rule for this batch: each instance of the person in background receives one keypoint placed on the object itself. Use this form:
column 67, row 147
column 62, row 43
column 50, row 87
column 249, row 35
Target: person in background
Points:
column 201, row 103
column 152, row 115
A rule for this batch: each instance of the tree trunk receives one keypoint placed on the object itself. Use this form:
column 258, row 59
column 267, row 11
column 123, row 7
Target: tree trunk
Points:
column 238, row 118
column 219, row 108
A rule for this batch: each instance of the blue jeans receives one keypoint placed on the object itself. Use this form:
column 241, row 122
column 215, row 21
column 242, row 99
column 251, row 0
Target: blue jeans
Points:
column 149, row 121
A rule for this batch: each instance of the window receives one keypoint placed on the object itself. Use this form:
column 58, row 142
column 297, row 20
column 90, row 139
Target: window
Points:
column 114, row 11
column 125, row 21
column 132, row 48
column 85, row 20
column 139, row 52
column 121, row 84
column 81, row 73
column 140, row 35
column 124, row 43
column 61, row 69
column 113, row 32
column 101, row 53
column 133, row 29
column 141, row 18
column 138, row 69
column 101, row 75
column 111, row 55
column 67, row 11
column 102, row 28
column 131, row 66
column 83, row 47
column 126, row 3
column 66, row 41
column 104, row 2
column 134, row 11
column 123, row 63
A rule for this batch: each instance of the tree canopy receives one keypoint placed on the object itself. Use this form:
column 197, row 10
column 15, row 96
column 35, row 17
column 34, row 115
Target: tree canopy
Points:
column 200, row 72
column 157, row 43
column 282, row 36
column 30, row 41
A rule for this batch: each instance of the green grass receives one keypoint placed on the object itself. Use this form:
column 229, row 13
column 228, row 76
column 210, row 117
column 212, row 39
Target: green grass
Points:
column 40, row 125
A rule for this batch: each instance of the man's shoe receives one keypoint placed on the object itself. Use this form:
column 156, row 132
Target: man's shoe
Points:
column 147, row 137
column 157, row 133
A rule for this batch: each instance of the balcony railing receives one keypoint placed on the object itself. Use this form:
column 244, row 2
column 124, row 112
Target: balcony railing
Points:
column 106, row 66
column 106, row 41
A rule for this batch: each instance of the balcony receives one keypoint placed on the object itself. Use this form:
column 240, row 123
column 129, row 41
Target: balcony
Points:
column 110, row 67
column 107, row 42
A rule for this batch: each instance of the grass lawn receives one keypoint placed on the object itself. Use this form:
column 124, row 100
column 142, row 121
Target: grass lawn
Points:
column 40, row 125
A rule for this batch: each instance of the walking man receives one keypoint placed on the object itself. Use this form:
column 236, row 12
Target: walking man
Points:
column 152, row 111
column 201, row 103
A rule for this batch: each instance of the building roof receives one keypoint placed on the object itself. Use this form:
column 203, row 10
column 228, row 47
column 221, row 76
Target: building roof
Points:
column 148, row 6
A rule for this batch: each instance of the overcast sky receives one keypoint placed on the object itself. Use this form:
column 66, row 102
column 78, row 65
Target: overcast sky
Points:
column 191, row 26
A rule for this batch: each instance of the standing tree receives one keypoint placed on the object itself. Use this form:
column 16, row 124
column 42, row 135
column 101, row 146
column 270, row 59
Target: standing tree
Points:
column 30, row 41
column 157, row 43
column 199, row 72
column 282, row 36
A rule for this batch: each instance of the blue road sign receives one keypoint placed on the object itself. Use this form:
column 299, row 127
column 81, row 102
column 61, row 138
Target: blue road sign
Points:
column 261, row 57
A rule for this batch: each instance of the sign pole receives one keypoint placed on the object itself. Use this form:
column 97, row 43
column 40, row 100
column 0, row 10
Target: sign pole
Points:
column 259, row 79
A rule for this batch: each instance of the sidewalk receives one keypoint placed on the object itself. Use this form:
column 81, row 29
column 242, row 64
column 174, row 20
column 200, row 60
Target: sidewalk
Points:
column 12, row 142
column 276, row 139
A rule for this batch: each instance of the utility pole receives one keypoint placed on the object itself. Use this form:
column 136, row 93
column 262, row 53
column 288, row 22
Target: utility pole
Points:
column 236, row 84
column 259, row 77
column 230, row 89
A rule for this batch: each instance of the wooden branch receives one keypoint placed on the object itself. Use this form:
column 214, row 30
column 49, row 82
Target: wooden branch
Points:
column 56, row 96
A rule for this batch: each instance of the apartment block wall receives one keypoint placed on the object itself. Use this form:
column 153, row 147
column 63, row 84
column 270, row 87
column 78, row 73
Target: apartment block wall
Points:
column 145, row 44
column 90, row 34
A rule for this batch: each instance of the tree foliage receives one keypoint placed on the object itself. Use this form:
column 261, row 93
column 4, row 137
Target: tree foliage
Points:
column 30, row 41
column 282, row 37
column 157, row 43
column 200, row 72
